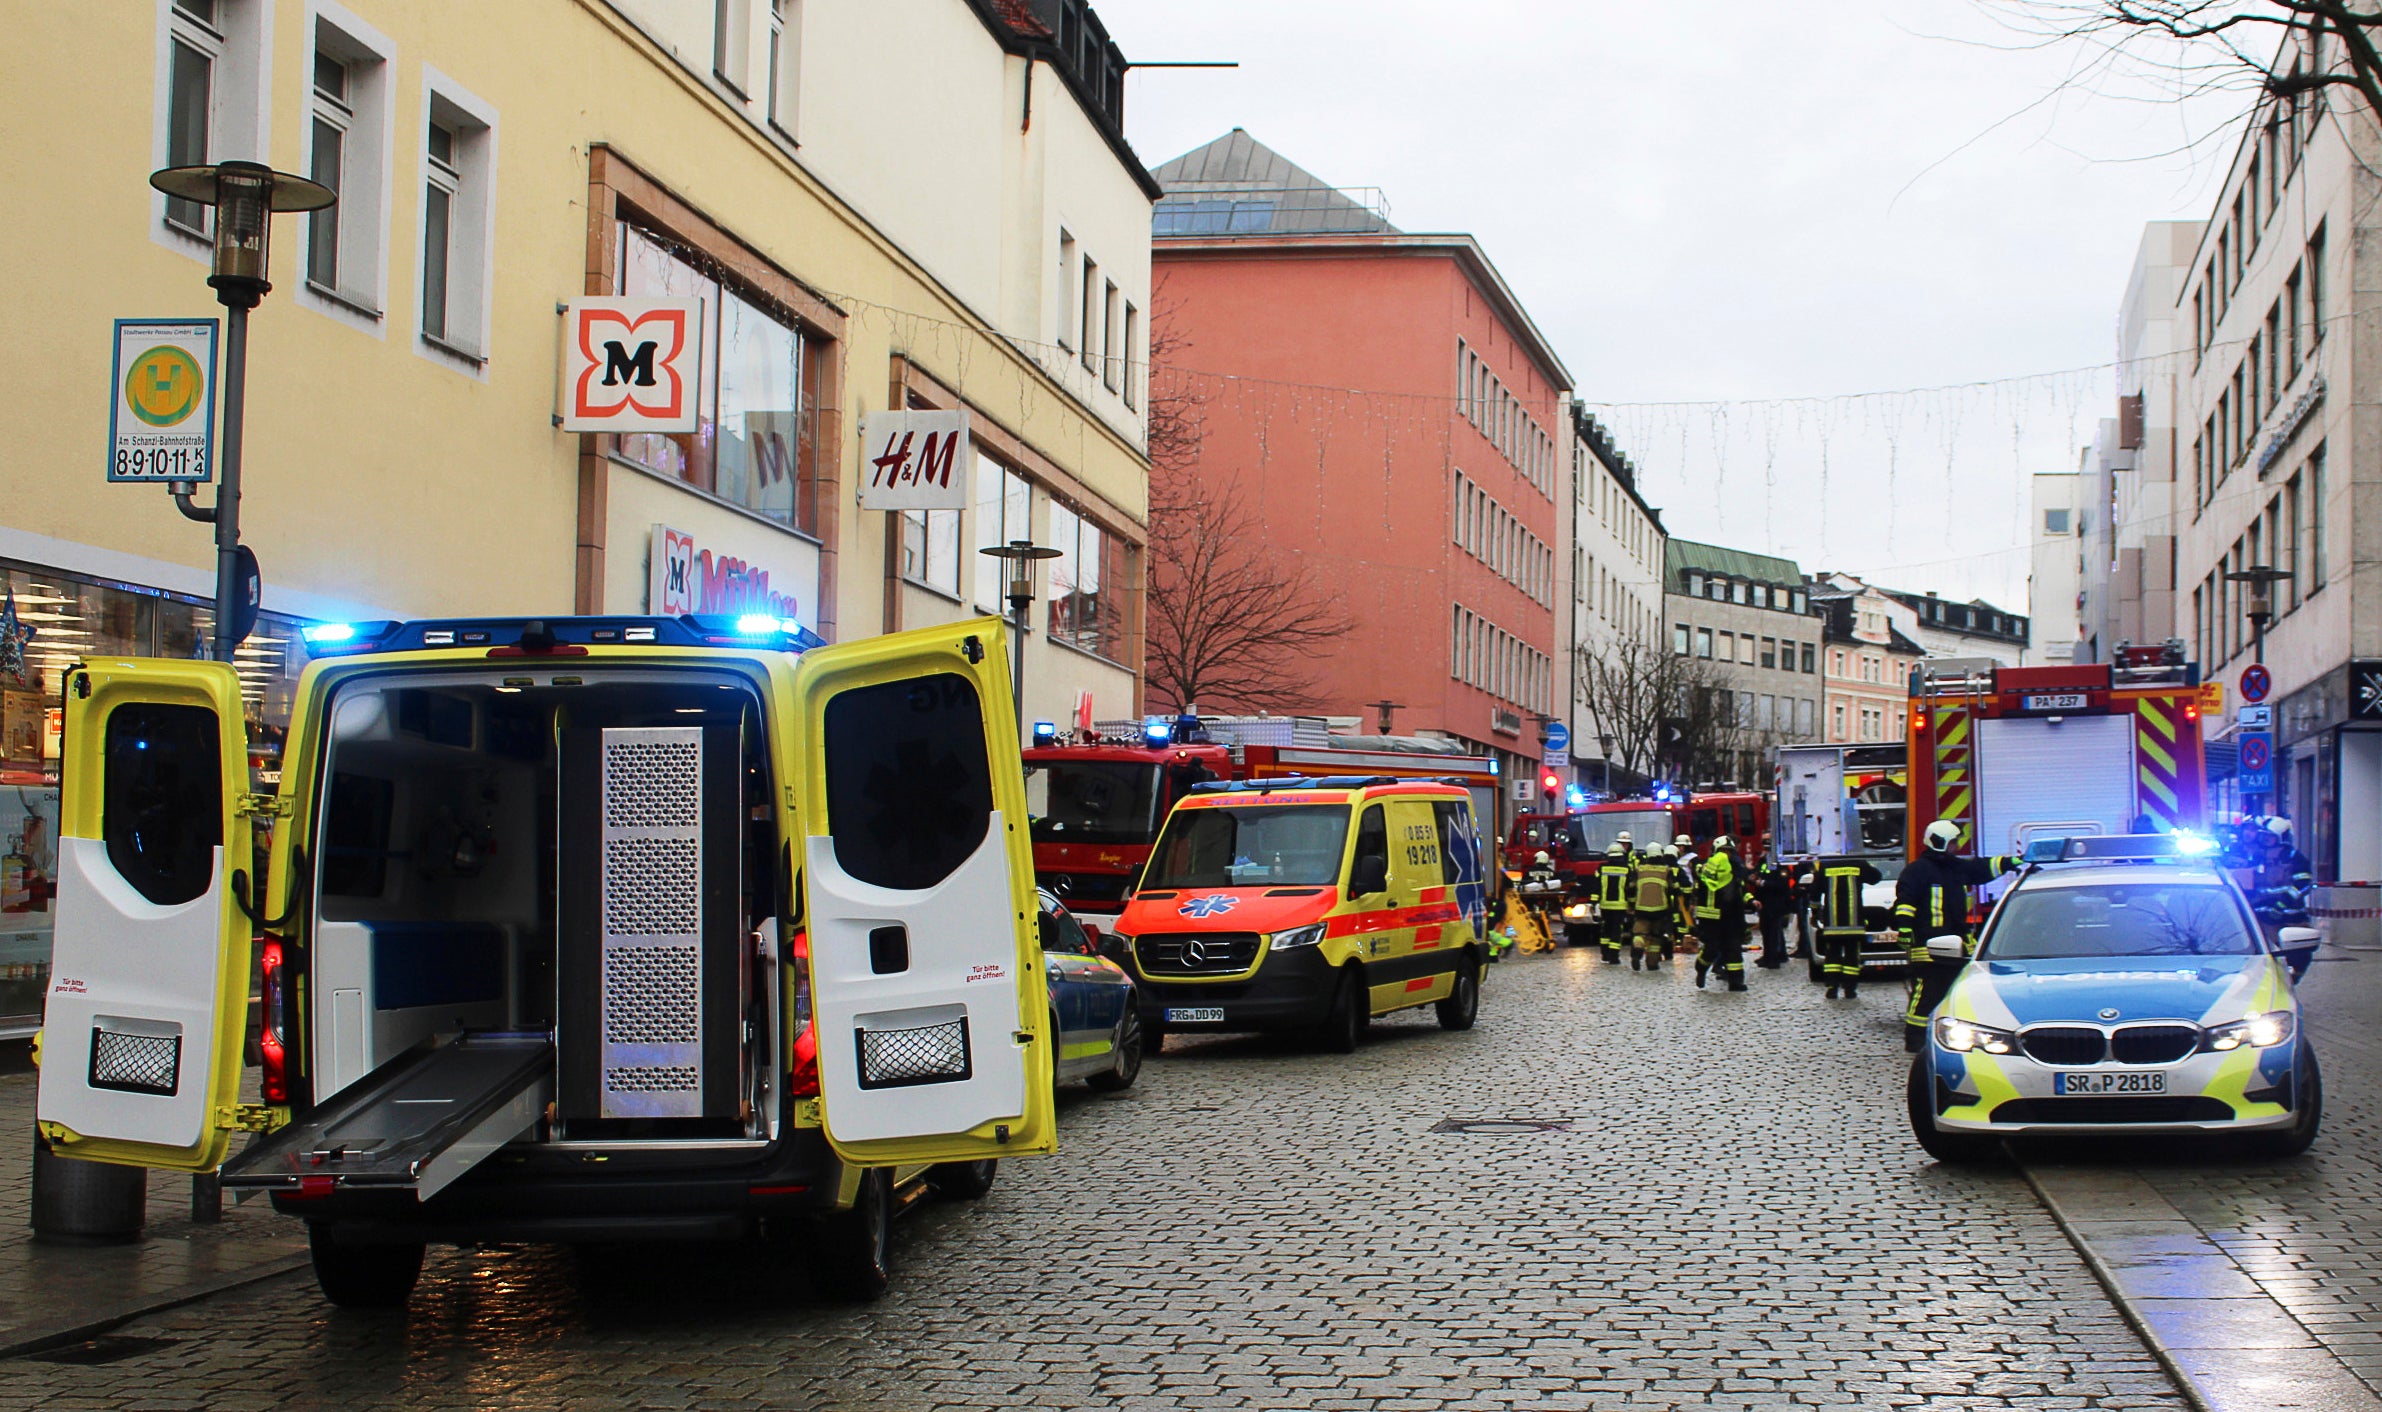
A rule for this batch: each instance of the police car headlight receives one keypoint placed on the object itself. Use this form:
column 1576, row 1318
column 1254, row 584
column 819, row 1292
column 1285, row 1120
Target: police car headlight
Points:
column 1297, row 936
column 1967, row 1036
column 2257, row 1031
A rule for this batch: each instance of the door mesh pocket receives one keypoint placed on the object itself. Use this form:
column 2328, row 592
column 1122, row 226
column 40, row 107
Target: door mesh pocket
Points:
column 903, row 1048
column 146, row 1059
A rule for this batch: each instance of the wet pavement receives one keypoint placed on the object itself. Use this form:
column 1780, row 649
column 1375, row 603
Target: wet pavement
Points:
column 1716, row 1204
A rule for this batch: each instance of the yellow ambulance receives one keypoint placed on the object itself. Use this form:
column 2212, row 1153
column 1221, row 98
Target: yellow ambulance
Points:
column 584, row 929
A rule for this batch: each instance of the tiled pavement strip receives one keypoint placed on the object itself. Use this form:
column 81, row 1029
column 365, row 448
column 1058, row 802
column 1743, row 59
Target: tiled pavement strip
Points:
column 1734, row 1217
column 2261, row 1279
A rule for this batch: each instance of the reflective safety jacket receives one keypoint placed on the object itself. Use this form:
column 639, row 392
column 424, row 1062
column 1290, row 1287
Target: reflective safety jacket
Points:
column 1836, row 886
column 1723, row 882
column 1931, row 898
column 1653, row 890
column 1612, row 883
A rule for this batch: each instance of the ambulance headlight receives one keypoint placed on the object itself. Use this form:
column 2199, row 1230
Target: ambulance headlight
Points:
column 1296, row 937
column 2257, row 1031
column 1577, row 912
column 1968, row 1037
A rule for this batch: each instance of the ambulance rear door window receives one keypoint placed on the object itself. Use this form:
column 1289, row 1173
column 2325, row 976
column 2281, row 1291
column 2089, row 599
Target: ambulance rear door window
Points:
column 161, row 807
column 909, row 788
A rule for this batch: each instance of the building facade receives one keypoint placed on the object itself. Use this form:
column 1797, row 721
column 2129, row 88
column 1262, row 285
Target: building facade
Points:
column 2275, row 409
column 1612, row 580
column 1431, row 503
column 2055, row 580
column 1867, row 664
column 404, row 456
column 1745, row 626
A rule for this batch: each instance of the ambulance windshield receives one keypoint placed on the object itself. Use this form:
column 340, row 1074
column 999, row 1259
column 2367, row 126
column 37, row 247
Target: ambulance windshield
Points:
column 1251, row 846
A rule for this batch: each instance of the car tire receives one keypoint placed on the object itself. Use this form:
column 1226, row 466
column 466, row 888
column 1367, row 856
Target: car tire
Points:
column 2293, row 1140
column 1462, row 1005
column 1344, row 1028
column 1813, row 966
column 356, row 1275
column 852, row 1260
column 1126, row 1067
column 965, row 1181
column 1951, row 1149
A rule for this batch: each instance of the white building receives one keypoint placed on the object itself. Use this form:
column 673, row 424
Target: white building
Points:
column 1613, row 577
column 2275, row 410
column 2055, row 586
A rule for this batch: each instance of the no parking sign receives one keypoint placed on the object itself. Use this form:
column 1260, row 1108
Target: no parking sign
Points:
column 2257, row 762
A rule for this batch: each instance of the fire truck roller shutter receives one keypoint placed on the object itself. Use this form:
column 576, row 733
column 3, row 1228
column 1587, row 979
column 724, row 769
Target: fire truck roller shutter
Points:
column 2052, row 775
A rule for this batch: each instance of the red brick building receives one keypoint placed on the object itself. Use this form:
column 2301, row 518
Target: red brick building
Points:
column 1427, row 496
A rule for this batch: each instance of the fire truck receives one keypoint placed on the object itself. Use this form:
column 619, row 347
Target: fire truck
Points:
column 1097, row 804
column 1586, row 832
column 2013, row 753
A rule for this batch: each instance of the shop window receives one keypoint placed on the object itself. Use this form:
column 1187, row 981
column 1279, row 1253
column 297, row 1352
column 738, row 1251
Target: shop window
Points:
column 909, row 796
column 930, row 550
column 755, row 440
column 161, row 808
column 1086, row 583
column 1004, row 510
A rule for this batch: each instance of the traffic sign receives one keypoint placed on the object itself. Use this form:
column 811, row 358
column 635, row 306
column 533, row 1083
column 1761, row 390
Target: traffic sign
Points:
column 2256, row 681
column 2257, row 762
column 2253, row 718
column 161, row 417
column 1557, row 753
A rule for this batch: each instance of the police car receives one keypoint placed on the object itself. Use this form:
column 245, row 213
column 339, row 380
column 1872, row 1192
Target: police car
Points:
column 2121, row 985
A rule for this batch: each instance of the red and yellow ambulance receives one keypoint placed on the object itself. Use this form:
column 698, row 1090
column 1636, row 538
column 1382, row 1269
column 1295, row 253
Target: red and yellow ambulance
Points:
column 1310, row 904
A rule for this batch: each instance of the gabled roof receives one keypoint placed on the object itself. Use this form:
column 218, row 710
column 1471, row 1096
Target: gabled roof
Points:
column 1237, row 185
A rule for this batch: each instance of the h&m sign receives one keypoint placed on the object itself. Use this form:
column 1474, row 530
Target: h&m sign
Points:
column 631, row 364
column 914, row 460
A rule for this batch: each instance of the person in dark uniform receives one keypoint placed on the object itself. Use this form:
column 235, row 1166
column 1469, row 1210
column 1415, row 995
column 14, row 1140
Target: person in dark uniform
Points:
column 1933, row 898
column 1613, row 878
column 1774, row 898
column 1836, row 885
column 1720, row 915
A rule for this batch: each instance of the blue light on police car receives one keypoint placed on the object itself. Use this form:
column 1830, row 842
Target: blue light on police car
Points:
column 326, row 634
column 2193, row 845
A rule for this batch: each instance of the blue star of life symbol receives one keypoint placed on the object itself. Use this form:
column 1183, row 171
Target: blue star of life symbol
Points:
column 1209, row 906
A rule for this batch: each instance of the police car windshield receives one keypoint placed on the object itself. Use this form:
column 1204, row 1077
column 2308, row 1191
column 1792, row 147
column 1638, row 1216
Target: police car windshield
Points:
column 1253, row 846
column 2119, row 919
column 1093, row 801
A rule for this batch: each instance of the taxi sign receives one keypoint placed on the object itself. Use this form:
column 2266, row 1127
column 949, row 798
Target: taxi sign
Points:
column 161, row 413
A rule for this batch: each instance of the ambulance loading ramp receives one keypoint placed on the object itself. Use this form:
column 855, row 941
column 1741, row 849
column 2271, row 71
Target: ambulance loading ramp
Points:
column 416, row 1125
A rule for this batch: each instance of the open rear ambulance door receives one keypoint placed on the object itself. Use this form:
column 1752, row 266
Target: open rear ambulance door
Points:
column 147, row 1008
column 926, row 973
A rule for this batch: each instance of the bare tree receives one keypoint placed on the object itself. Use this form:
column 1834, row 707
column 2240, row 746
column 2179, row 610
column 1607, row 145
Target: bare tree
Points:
column 2284, row 49
column 1231, row 625
column 1666, row 711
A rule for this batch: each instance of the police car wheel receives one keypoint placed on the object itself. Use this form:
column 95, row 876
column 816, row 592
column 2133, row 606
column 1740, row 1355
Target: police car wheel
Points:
column 363, row 1276
column 1951, row 1149
column 965, row 1181
column 2293, row 1140
column 1345, row 1027
column 1127, row 1056
column 852, row 1261
column 1816, row 968
column 1462, row 1005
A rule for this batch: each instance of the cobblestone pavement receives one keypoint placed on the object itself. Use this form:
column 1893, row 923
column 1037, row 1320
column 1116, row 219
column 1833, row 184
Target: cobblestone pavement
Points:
column 1732, row 1216
column 2307, row 1231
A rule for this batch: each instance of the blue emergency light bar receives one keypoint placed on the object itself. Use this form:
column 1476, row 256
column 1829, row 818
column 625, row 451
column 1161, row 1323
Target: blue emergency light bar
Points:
column 559, row 637
column 2139, row 847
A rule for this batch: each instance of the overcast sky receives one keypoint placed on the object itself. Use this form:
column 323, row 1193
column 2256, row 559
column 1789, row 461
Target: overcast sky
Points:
column 1737, row 202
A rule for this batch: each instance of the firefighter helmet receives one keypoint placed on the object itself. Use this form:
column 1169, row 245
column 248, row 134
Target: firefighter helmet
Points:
column 1941, row 835
column 1623, row 838
column 1617, row 849
column 2280, row 827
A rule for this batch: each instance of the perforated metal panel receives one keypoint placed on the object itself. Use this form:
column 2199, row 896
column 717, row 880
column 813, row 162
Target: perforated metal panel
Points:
column 651, row 1056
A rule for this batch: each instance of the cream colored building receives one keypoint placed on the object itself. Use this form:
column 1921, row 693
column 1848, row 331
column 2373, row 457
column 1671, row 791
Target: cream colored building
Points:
column 1611, row 575
column 923, row 203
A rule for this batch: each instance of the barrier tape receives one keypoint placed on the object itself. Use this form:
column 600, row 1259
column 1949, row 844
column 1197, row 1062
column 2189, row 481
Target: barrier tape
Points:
column 2347, row 914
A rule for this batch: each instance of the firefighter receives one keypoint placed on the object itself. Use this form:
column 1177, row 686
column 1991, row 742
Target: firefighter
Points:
column 1774, row 896
column 2280, row 883
column 1932, row 898
column 1720, row 915
column 1653, row 895
column 1835, row 885
column 1613, row 879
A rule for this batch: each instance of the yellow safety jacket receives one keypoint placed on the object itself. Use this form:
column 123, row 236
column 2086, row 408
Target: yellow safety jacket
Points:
column 1653, row 890
column 1612, row 885
column 1722, row 891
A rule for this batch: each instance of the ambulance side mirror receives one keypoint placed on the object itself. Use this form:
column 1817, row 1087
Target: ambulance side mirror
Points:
column 1946, row 948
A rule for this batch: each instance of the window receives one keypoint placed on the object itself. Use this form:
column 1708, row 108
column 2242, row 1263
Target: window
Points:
column 1066, row 291
column 2315, row 474
column 1769, row 652
column 332, row 117
column 1836, row 721
column 1695, row 585
column 2297, row 528
column 1125, row 356
column 2316, row 288
column 192, row 48
column 1004, row 511
column 1728, row 647
column 212, row 94
column 1807, row 656
column 162, row 799
column 345, row 258
column 1112, row 359
column 458, row 223
column 896, row 742
column 1836, row 664
column 1090, row 313
column 930, row 549
column 1795, row 600
column 785, row 65
column 1803, row 710
column 731, row 43
column 1679, row 639
column 755, row 442
column 1086, row 583
column 1704, row 642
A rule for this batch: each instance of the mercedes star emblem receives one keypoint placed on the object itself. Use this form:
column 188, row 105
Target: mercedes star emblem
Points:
column 1195, row 953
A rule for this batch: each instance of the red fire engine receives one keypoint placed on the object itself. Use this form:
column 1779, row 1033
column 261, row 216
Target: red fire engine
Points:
column 1577, row 839
column 1097, row 808
column 2010, row 753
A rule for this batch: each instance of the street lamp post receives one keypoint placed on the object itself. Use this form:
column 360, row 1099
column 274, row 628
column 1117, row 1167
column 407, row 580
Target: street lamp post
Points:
column 1020, row 555
column 245, row 196
column 1604, row 755
column 2261, row 578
